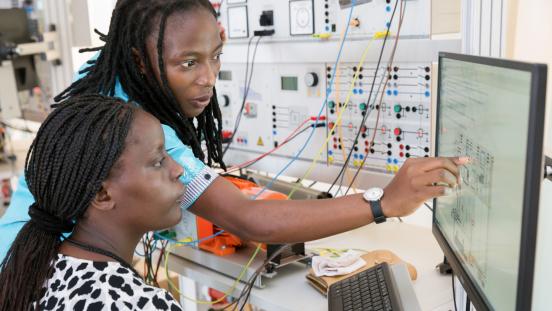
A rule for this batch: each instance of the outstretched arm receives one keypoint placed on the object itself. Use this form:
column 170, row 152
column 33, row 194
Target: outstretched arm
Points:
column 303, row 220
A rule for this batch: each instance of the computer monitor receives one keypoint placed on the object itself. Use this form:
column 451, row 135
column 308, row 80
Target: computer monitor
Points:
column 491, row 110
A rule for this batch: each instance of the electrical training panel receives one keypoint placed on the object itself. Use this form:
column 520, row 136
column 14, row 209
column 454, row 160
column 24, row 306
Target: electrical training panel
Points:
column 294, row 64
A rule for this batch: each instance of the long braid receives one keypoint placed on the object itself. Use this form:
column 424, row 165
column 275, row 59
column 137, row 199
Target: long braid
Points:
column 73, row 152
column 132, row 23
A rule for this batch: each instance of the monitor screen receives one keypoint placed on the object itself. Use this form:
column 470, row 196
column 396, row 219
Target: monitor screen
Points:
column 289, row 84
column 486, row 112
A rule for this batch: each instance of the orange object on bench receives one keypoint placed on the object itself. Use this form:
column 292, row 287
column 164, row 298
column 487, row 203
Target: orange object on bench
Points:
column 226, row 243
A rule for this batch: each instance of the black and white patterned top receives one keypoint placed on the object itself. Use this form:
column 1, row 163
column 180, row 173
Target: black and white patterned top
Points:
column 79, row 284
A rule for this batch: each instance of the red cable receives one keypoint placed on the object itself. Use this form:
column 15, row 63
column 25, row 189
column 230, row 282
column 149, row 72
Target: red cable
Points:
column 286, row 140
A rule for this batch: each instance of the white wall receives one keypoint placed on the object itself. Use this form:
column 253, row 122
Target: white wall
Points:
column 87, row 15
column 529, row 39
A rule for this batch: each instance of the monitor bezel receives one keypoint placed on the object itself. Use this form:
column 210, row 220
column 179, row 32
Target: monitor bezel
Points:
column 533, row 180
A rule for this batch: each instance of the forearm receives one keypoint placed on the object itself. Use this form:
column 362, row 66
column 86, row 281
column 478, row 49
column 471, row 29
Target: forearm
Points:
column 280, row 221
column 296, row 221
column 305, row 220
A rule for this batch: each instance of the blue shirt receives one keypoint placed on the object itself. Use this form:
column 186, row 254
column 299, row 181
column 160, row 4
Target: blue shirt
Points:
column 197, row 177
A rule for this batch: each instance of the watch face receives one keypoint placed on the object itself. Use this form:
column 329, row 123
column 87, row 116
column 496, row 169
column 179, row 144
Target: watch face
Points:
column 373, row 194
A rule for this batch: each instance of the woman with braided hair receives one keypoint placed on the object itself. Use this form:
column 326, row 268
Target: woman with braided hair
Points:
column 164, row 55
column 97, row 168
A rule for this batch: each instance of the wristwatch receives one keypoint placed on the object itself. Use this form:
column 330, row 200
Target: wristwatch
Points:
column 373, row 196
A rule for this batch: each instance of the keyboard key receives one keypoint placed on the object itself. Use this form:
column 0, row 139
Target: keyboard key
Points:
column 365, row 291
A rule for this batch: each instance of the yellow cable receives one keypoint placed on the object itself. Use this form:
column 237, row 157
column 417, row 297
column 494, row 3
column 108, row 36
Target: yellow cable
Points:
column 339, row 127
column 226, row 294
column 336, row 252
column 319, row 153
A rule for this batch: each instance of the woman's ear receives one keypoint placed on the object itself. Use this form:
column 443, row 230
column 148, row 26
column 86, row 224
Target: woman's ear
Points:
column 222, row 31
column 138, row 60
column 102, row 200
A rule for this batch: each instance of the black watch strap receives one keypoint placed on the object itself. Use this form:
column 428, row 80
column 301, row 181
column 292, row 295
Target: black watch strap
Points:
column 377, row 212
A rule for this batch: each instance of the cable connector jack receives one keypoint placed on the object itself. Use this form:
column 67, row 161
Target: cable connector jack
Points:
column 321, row 118
column 323, row 36
column 264, row 33
column 382, row 34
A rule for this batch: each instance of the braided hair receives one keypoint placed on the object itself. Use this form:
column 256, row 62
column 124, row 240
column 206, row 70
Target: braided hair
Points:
column 72, row 154
column 132, row 23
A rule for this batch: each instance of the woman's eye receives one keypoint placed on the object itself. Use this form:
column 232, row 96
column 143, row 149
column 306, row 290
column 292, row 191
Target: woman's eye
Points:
column 188, row 63
column 217, row 57
column 159, row 163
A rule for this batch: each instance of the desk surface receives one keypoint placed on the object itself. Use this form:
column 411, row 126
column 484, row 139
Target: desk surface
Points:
column 289, row 290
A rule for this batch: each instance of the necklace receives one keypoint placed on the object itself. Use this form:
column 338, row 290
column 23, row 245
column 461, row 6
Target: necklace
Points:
column 100, row 251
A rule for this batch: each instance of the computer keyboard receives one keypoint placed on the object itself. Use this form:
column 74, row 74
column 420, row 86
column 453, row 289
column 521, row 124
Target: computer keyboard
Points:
column 368, row 290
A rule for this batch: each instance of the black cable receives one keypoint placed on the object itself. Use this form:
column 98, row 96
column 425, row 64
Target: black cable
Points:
column 403, row 10
column 342, row 173
column 355, row 141
column 247, row 86
column 429, row 207
column 369, row 112
column 162, row 253
column 454, row 293
column 372, row 105
column 148, row 253
column 238, row 117
column 259, row 271
column 246, row 291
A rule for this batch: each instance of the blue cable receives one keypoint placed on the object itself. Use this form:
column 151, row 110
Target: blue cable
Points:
column 298, row 154
column 160, row 237
column 328, row 92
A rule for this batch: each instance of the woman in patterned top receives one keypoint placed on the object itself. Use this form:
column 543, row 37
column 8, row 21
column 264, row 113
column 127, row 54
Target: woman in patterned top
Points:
column 97, row 168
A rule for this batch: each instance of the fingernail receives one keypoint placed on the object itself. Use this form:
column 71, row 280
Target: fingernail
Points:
column 464, row 160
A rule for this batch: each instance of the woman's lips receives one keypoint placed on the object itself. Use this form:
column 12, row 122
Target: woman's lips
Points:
column 202, row 101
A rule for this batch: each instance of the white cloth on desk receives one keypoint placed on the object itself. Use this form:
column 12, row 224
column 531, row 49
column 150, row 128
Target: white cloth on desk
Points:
column 346, row 263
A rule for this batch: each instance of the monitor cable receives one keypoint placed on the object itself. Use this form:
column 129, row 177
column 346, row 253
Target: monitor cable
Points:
column 428, row 207
column 454, row 292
